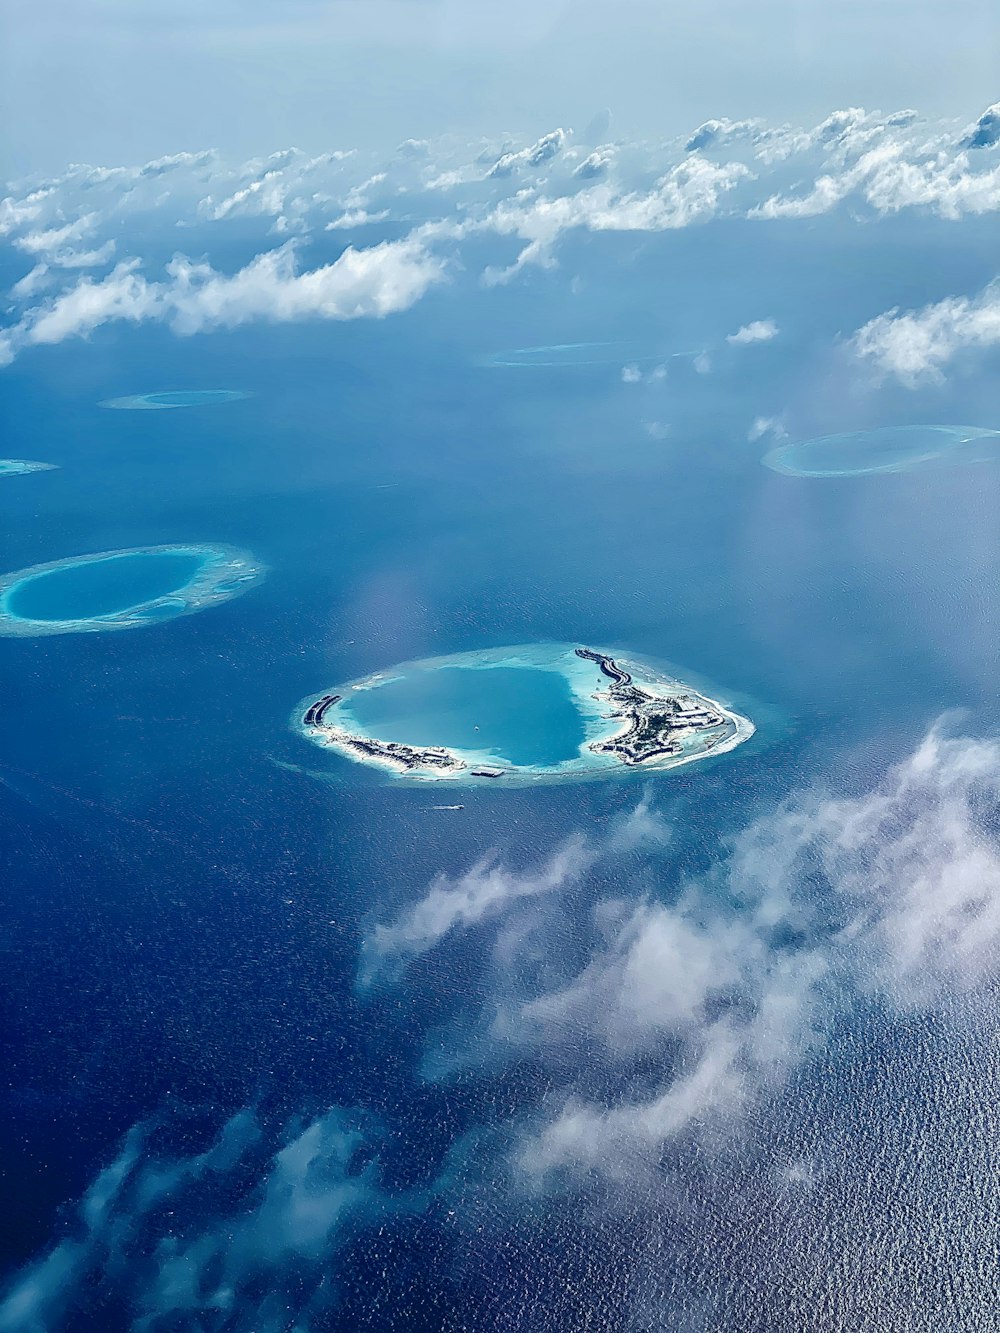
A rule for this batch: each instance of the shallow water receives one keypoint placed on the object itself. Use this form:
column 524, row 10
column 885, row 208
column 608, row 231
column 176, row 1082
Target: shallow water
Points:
column 102, row 587
column 524, row 715
column 889, row 449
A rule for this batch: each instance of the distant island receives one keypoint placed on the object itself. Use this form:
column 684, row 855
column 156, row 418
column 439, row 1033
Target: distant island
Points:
column 125, row 589
column 19, row 467
column 634, row 717
column 172, row 399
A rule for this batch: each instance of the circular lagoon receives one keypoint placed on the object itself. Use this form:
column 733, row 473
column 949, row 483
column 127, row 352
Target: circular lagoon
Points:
column 174, row 398
column 122, row 589
column 888, row 449
column 17, row 467
column 528, row 713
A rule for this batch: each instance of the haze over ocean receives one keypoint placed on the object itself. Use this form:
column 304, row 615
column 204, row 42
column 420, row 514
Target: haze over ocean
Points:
column 292, row 1045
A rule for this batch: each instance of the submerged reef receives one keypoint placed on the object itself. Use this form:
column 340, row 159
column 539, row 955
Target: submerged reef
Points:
column 172, row 399
column 886, row 449
column 634, row 717
column 17, row 467
column 115, row 590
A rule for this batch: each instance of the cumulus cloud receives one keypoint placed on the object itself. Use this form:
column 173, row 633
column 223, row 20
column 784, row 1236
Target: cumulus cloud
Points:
column 688, row 194
column 985, row 133
column 716, row 132
column 535, row 155
column 759, row 331
column 448, row 193
column 123, row 295
column 890, row 179
column 918, row 344
column 595, row 163
column 365, row 283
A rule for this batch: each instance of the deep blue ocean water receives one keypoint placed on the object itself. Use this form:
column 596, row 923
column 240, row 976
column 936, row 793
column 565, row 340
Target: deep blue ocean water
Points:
column 523, row 715
column 100, row 587
column 182, row 916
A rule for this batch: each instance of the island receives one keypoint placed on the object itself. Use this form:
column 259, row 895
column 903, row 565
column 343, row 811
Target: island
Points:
column 124, row 589
column 596, row 713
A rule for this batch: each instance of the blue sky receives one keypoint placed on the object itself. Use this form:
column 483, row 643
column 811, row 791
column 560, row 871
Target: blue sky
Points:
column 145, row 80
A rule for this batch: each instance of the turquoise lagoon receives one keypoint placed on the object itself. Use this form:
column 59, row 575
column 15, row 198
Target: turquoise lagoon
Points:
column 528, row 713
column 173, row 398
column 527, row 716
column 122, row 589
column 887, row 449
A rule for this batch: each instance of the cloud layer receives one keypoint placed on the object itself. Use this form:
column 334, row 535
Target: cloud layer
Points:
column 436, row 207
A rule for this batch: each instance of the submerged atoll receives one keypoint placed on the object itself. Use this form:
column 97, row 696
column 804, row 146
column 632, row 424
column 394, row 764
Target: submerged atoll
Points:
column 886, row 449
column 569, row 355
column 172, row 399
column 17, row 467
column 115, row 590
column 621, row 714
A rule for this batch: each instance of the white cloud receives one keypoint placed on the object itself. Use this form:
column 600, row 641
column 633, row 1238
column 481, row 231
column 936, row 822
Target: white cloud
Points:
column 481, row 893
column 631, row 375
column 32, row 283
column 123, row 295
column 595, row 163
column 447, row 193
column 356, row 217
column 985, row 133
column 761, row 426
column 890, row 181
column 535, row 155
column 14, row 213
column 714, row 133
column 56, row 238
column 366, row 283
column 759, row 331
column 689, row 193
column 918, row 344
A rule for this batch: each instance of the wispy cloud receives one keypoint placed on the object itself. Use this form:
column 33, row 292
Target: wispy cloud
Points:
column 481, row 893
column 728, row 983
column 147, row 1228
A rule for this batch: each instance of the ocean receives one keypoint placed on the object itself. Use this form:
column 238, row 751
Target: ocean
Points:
column 186, row 907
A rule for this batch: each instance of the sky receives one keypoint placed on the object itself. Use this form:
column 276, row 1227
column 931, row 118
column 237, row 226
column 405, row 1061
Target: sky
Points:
column 112, row 81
